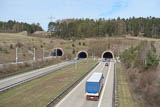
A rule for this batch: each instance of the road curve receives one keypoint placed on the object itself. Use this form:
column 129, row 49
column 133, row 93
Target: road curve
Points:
column 76, row 98
column 21, row 78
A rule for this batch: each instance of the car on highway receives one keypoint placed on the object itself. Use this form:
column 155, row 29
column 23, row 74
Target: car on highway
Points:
column 104, row 60
column 106, row 64
column 94, row 86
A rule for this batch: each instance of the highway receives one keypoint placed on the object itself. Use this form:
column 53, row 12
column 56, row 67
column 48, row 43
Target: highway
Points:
column 24, row 77
column 77, row 98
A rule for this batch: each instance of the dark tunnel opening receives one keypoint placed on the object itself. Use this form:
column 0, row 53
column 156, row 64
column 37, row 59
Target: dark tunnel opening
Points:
column 57, row 52
column 82, row 55
column 108, row 55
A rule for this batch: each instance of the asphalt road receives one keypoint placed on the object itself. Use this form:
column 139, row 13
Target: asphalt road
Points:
column 21, row 78
column 77, row 98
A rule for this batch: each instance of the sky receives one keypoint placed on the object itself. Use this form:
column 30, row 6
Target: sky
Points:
column 41, row 11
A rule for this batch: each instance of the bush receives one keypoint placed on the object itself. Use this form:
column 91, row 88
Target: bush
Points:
column 5, row 50
column 73, row 51
column 11, row 46
column 41, row 46
column 152, row 60
column 132, row 76
column 132, row 56
column 1, row 49
column 128, row 56
column 84, row 44
column 19, row 44
column 145, row 82
column 73, row 45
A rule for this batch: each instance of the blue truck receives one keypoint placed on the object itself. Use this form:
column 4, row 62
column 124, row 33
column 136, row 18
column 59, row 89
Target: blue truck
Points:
column 94, row 86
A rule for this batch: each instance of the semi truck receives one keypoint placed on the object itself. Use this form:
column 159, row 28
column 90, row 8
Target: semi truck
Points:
column 94, row 86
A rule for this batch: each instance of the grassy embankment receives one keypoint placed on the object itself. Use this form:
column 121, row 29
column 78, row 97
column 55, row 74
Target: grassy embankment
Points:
column 124, row 93
column 39, row 92
column 11, row 70
column 25, row 44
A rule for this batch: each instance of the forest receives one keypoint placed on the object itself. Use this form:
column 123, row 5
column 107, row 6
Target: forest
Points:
column 82, row 28
column 14, row 27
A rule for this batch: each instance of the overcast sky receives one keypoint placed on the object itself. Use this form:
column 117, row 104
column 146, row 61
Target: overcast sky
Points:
column 33, row 11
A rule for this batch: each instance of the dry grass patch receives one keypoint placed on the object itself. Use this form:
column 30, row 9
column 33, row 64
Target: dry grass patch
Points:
column 124, row 93
column 9, row 41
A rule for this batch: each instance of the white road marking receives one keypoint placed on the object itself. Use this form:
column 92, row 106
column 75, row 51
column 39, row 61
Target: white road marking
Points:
column 99, row 104
column 76, row 87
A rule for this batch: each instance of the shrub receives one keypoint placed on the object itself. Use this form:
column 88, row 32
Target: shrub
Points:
column 152, row 60
column 73, row 45
column 41, row 46
column 19, row 44
column 133, row 56
column 73, row 51
column 132, row 76
column 128, row 57
column 27, row 64
column 5, row 50
column 24, row 54
column 1, row 49
column 143, row 58
column 11, row 46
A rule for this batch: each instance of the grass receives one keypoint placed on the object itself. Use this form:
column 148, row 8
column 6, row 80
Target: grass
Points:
column 39, row 92
column 124, row 93
column 9, row 42
column 22, row 68
column 144, row 38
column 25, row 44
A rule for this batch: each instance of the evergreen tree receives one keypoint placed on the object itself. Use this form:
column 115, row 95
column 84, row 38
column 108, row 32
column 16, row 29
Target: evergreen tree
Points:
column 14, row 26
column 80, row 28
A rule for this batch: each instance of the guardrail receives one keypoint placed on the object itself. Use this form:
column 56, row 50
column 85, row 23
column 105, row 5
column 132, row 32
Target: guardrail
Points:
column 115, row 87
column 69, row 87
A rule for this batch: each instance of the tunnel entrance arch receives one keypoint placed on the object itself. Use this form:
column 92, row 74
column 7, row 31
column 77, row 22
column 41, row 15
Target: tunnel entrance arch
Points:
column 108, row 55
column 57, row 52
column 82, row 54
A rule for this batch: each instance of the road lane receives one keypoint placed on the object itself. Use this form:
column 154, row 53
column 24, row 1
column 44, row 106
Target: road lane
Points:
column 106, row 97
column 77, row 96
column 21, row 78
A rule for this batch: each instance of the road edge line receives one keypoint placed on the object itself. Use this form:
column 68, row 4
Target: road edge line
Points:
column 100, row 100
column 74, row 88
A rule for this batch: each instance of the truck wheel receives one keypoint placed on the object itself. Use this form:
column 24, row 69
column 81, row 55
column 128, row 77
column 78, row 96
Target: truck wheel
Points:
column 97, row 98
column 87, row 98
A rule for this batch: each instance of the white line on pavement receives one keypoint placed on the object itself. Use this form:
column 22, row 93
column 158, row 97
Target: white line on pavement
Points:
column 99, row 104
column 76, row 87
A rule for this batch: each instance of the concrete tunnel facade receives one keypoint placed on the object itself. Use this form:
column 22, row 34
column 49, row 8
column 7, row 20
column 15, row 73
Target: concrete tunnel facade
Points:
column 57, row 52
column 108, row 54
column 82, row 54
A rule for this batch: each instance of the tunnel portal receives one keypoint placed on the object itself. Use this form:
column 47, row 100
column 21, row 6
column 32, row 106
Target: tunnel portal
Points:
column 82, row 54
column 57, row 52
column 107, row 54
